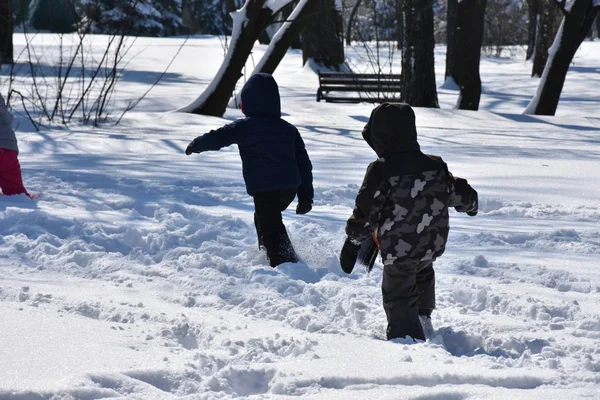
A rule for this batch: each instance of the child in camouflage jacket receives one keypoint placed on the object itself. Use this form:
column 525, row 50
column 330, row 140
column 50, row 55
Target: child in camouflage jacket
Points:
column 404, row 200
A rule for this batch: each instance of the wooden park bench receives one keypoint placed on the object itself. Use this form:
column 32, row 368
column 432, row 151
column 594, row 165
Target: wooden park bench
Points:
column 372, row 88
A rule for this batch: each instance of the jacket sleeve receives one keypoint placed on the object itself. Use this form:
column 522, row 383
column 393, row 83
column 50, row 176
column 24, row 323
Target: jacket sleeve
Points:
column 218, row 138
column 462, row 196
column 369, row 202
column 306, row 192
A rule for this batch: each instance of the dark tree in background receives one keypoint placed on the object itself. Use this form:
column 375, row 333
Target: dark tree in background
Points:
column 54, row 15
column 399, row 24
column 285, row 37
column 577, row 21
column 465, row 36
column 452, row 63
column 208, row 17
column 598, row 26
column 296, row 41
column 322, row 36
column 418, row 73
column 6, row 32
column 505, row 26
column 352, row 21
column 549, row 20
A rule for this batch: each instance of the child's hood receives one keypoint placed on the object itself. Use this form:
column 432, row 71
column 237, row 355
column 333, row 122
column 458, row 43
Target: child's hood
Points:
column 391, row 129
column 260, row 96
column 6, row 117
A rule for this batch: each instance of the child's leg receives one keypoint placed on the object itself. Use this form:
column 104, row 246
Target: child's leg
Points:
column 270, row 226
column 286, row 197
column 11, row 181
column 400, row 301
column 258, row 232
column 426, row 286
column 288, row 254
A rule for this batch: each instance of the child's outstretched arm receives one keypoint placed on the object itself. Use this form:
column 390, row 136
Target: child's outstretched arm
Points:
column 462, row 196
column 215, row 139
column 306, row 191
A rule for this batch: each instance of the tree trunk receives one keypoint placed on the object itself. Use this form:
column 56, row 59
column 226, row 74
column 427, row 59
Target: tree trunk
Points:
column 267, row 35
column 549, row 19
column 248, row 23
column 296, row 42
column 573, row 30
column 281, row 41
column 264, row 38
column 465, row 37
column 399, row 25
column 533, row 9
column 322, row 38
column 598, row 26
column 6, row 32
column 418, row 73
column 285, row 36
column 351, row 22
column 452, row 40
column 230, row 4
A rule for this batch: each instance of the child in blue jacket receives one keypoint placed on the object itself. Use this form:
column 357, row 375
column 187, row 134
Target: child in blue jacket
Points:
column 275, row 163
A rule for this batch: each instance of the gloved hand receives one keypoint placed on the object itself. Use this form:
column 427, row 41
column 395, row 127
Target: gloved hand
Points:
column 474, row 204
column 303, row 207
column 349, row 255
column 190, row 149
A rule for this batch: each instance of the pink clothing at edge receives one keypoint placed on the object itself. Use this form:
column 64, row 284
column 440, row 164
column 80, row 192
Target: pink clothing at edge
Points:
column 11, row 181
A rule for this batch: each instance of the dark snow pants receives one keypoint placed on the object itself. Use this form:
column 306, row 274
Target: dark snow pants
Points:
column 408, row 290
column 269, row 225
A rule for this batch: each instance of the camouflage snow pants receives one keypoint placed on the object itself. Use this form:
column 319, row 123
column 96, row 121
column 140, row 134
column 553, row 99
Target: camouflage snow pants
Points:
column 408, row 290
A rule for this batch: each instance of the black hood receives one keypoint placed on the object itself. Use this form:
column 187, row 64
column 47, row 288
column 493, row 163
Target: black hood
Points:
column 391, row 129
column 260, row 96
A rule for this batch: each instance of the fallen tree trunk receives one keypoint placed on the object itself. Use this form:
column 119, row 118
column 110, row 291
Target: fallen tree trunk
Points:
column 578, row 19
column 248, row 23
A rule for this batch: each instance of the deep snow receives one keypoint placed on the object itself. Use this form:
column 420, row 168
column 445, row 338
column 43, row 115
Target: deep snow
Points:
column 136, row 273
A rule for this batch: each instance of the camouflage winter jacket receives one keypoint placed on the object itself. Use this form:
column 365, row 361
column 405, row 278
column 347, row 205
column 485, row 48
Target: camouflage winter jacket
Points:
column 405, row 194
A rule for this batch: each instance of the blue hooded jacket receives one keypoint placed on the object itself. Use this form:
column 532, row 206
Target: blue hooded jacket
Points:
column 272, row 151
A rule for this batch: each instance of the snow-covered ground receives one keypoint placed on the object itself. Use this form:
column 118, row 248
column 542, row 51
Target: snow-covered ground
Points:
column 136, row 273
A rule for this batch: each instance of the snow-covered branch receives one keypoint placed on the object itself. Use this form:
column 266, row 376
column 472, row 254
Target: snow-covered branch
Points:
column 534, row 103
column 248, row 23
column 576, row 24
column 278, row 45
column 564, row 5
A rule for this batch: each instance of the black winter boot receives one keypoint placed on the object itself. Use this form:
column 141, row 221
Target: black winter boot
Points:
column 258, row 233
column 402, row 321
column 279, row 248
